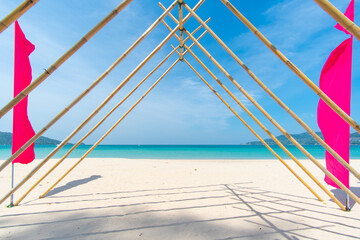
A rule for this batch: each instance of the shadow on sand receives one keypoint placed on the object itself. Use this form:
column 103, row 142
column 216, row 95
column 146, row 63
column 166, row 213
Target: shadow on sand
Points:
column 73, row 184
column 247, row 212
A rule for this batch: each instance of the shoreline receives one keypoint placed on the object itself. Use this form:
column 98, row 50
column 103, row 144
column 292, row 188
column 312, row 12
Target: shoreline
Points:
column 190, row 159
column 180, row 152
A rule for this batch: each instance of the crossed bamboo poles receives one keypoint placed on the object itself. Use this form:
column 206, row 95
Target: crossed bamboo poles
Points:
column 182, row 45
column 117, row 89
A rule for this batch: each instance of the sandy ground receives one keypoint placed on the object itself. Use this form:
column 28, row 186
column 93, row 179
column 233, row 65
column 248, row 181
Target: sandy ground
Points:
column 177, row 199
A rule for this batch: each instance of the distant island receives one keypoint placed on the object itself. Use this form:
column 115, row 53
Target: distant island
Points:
column 6, row 139
column 305, row 139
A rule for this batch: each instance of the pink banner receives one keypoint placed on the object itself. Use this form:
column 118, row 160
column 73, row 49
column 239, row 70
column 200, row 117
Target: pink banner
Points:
column 335, row 82
column 22, row 129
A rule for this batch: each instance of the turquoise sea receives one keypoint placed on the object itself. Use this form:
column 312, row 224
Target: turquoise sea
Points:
column 180, row 152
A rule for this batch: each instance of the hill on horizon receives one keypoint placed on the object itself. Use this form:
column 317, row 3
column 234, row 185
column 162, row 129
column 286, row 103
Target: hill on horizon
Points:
column 6, row 139
column 304, row 139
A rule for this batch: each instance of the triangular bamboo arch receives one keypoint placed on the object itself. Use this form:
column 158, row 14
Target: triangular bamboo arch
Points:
column 335, row 13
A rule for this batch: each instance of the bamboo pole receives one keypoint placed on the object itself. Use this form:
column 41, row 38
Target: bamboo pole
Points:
column 266, row 145
column 181, row 29
column 292, row 67
column 83, row 94
column 272, row 95
column 112, row 94
column 110, row 130
column 336, row 14
column 101, row 121
column 303, row 150
column 270, row 134
column 63, row 58
column 16, row 13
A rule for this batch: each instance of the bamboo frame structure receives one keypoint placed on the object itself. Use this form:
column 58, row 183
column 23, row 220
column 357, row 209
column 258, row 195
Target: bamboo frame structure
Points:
column 292, row 67
column 95, row 83
column 336, row 14
column 63, row 58
column 303, row 150
column 180, row 26
column 272, row 95
column 252, row 130
column 270, row 134
column 110, row 130
column 16, row 13
column 111, row 95
column 102, row 120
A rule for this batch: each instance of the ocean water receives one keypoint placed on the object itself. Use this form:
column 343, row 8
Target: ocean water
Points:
column 180, row 152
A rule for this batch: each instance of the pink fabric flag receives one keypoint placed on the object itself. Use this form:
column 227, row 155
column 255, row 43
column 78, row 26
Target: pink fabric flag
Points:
column 22, row 129
column 335, row 82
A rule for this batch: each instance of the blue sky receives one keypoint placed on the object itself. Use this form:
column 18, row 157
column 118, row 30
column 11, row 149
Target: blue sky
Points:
column 181, row 109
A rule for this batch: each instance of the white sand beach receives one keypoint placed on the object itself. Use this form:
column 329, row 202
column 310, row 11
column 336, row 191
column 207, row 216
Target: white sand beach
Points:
column 177, row 199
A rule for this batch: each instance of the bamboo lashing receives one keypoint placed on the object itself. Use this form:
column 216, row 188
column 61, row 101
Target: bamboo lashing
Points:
column 63, row 58
column 95, row 83
column 181, row 29
column 336, row 14
column 112, row 94
column 169, row 28
column 303, row 150
column 252, row 130
column 292, row 67
column 178, row 38
column 99, row 123
column 16, row 13
column 272, row 95
column 269, row 133
column 110, row 130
